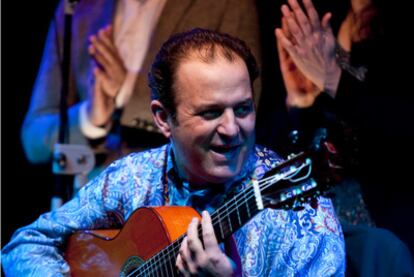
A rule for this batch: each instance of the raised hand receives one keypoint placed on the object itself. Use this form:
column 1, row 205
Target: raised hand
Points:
column 301, row 92
column 310, row 44
column 109, row 73
column 195, row 259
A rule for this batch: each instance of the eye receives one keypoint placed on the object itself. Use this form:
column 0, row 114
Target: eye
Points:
column 243, row 109
column 211, row 114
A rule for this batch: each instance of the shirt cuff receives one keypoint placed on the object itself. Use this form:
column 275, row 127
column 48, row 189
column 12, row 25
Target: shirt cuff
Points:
column 88, row 129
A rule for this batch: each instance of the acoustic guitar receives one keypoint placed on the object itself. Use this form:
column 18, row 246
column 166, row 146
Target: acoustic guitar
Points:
column 149, row 242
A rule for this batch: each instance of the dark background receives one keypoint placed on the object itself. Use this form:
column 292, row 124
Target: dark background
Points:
column 25, row 188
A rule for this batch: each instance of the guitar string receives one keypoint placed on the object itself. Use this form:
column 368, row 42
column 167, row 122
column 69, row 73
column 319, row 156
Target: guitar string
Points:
column 160, row 259
column 154, row 264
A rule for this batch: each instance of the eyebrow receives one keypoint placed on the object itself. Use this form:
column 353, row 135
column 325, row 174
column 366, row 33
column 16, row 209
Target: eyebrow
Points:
column 219, row 106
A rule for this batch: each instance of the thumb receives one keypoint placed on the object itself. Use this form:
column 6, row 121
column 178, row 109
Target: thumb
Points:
column 326, row 25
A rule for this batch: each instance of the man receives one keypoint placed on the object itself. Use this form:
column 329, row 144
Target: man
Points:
column 203, row 103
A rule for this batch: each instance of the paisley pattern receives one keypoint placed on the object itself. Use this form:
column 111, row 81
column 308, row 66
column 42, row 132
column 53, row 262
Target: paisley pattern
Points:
column 273, row 243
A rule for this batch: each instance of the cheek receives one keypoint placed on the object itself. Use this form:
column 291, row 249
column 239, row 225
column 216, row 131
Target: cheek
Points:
column 200, row 133
column 193, row 140
column 247, row 125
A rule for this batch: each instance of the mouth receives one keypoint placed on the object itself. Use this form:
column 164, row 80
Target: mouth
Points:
column 225, row 149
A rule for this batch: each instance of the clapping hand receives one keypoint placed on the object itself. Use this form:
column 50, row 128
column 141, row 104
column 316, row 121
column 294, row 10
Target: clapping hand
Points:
column 109, row 73
column 310, row 43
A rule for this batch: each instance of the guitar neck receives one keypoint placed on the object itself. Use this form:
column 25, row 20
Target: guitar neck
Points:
column 226, row 220
column 234, row 214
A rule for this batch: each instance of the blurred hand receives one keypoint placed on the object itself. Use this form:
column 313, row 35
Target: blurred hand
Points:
column 196, row 260
column 109, row 74
column 310, row 43
column 301, row 92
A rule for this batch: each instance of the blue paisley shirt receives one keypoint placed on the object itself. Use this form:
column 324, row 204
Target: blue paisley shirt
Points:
column 273, row 243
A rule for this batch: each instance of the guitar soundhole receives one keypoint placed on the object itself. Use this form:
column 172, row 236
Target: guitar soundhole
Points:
column 130, row 265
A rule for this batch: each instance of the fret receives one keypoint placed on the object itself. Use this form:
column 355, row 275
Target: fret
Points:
column 247, row 206
column 163, row 269
column 231, row 216
column 221, row 227
column 157, row 268
column 153, row 270
column 238, row 214
column 169, row 256
column 229, row 219
column 171, row 267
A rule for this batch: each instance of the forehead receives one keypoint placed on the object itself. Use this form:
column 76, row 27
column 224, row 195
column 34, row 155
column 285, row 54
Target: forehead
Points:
column 215, row 79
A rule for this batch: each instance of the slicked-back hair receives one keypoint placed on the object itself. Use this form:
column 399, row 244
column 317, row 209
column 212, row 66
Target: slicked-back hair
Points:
column 204, row 45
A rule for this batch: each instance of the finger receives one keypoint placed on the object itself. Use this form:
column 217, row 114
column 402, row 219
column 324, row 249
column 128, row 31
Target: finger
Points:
column 195, row 248
column 280, row 50
column 326, row 22
column 181, row 261
column 100, row 67
column 99, row 75
column 292, row 25
column 102, row 49
column 283, row 56
column 301, row 17
column 287, row 32
column 209, row 237
column 312, row 14
column 194, row 243
column 285, row 43
column 105, row 36
column 99, row 59
column 108, row 87
column 285, row 28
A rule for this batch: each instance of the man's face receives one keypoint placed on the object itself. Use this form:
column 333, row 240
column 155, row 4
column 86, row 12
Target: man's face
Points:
column 214, row 129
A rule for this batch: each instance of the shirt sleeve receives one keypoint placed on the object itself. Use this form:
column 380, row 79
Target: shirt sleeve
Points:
column 37, row 249
column 40, row 129
column 88, row 129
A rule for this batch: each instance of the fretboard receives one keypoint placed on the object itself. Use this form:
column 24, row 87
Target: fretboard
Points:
column 226, row 220
column 229, row 217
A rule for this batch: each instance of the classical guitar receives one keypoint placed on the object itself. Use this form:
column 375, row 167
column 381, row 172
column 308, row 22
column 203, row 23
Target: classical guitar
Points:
column 148, row 243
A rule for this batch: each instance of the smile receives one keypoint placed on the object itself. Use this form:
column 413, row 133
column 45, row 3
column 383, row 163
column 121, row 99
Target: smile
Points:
column 225, row 152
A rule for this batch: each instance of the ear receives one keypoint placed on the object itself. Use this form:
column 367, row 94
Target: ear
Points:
column 160, row 115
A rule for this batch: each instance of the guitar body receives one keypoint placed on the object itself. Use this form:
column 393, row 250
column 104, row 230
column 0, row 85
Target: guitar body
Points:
column 110, row 252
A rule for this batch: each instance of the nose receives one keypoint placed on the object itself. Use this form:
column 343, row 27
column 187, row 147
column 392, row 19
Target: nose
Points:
column 228, row 125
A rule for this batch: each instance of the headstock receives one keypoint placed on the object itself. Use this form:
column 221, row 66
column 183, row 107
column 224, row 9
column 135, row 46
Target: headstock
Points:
column 302, row 177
